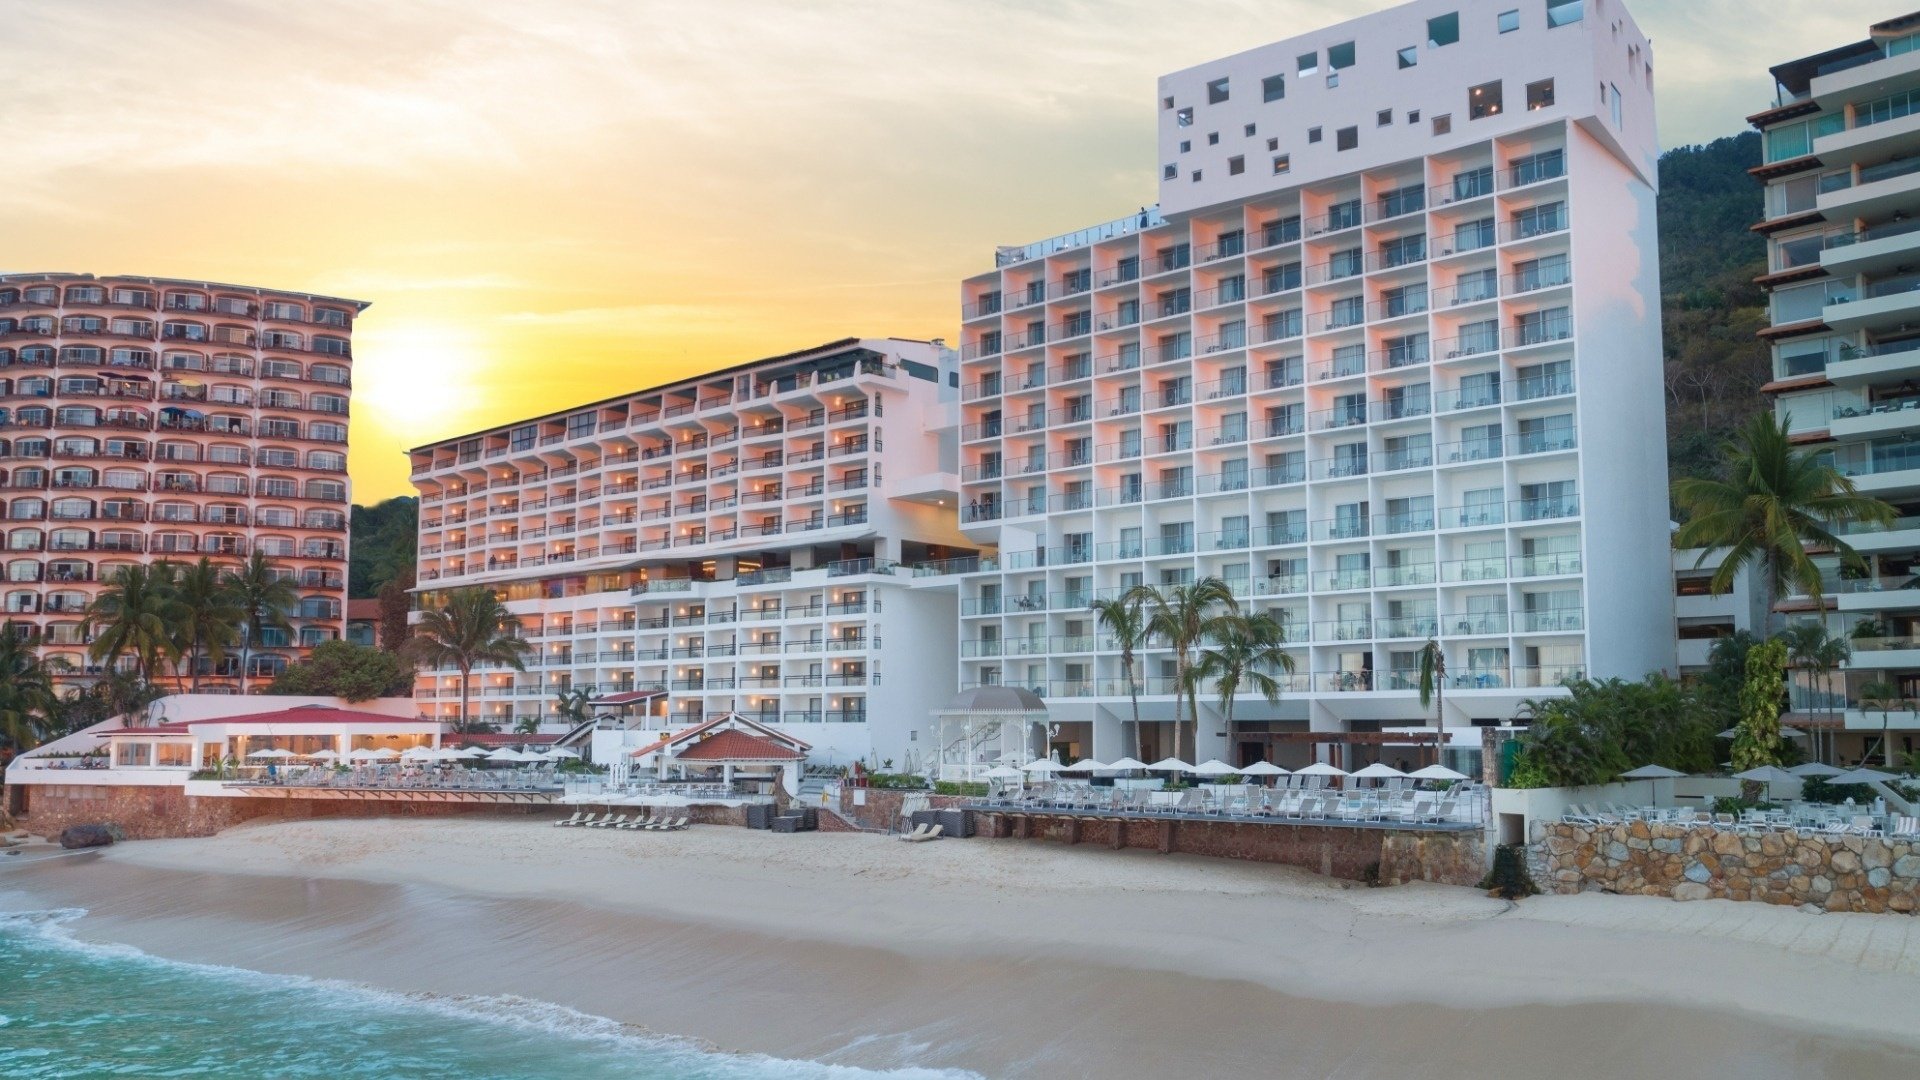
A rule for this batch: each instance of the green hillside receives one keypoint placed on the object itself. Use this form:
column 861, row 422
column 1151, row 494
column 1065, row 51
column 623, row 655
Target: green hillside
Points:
column 383, row 545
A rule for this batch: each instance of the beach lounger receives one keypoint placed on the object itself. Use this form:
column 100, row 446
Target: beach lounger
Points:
column 640, row 821
column 1863, row 825
column 608, row 822
column 578, row 817
column 667, row 825
column 932, row 833
column 918, row 832
column 590, row 819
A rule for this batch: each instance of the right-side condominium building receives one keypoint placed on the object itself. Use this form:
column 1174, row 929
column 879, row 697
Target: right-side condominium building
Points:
column 1385, row 356
column 1841, row 167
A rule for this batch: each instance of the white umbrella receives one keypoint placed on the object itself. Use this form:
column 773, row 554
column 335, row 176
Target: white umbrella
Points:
column 1041, row 765
column 561, row 752
column 1320, row 768
column 1215, row 767
column 1651, row 773
column 1263, row 768
column 1170, row 764
column 1126, row 764
column 1765, row 774
column 1815, row 768
column 505, row 753
column 1437, row 772
column 362, row 754
column 1085, row 765
column 1379, row 770
column 384, row 753
column 325, row 755
column 1003, row 772
column 1862, row 776
column 272, row 752
column 417, row 753
column 470, row 752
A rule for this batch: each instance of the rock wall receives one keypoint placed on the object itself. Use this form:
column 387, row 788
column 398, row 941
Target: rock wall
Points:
column 153, row 813
column 881, row 808
column 1851, row 873
column 1452, row 857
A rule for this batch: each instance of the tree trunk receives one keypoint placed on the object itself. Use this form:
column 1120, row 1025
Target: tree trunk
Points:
column 460, row 723
column 1133, row 693
column 246, row 655
column 193, row 666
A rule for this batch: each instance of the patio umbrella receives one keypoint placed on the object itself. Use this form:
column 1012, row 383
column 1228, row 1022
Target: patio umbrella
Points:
column 1170, row 764
column 1765, row 774
column 1263, row 768
column 1320, row 768
column 1785, row 733
column 1862, row 776
column 384, row 753
column 1650, row 773
column 417, row 753
column 470, row 752
column 505, row 753
column 1437, row 772
column 1815, row 768
column 561, row 752
column 272, row 752
column 325, row 755
column 1085, row 765
column 1003, row 772
column 362, row 754
column 1127, row 764
column 1214, row 767
column 1041, row 765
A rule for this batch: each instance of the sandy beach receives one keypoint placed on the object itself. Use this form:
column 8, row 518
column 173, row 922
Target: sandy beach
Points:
column 1012, row 958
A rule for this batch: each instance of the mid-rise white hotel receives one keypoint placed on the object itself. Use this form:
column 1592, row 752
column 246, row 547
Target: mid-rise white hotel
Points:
column 1385, row 357
column 736, row 542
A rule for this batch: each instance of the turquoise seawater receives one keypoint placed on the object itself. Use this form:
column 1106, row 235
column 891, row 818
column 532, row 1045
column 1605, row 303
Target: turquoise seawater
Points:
column 70, row 1009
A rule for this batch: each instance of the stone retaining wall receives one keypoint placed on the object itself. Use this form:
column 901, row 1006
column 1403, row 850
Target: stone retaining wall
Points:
column 1836, row 873
column 154, row 813
column 1450, row 857
column 882, row 807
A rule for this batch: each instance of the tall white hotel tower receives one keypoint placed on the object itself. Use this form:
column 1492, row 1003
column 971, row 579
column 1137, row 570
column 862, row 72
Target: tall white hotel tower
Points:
column 1385, row 357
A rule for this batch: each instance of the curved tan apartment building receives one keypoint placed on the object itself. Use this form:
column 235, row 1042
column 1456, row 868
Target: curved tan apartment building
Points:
column 148, row 418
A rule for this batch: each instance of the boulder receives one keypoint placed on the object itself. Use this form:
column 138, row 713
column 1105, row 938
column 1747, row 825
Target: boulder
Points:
column 1727, row 843
column 1907, row 866
column 1692, row 890
column 85, row 836
column 1696, row 873
column 1845, row 862
column 1879, row 877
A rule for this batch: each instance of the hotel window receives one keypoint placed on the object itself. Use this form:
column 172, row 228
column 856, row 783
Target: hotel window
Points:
column 1563, row 12
column 1443, row 124
column 1184, row 117
column 1166, row 103
column 1340, row 56
column 1484, row 100
column 1309, row 63
column 1171, row 172
column 1313, row 134
column 1247, row 131
column 1216, row 91
column 1236, row 166
column 1273, row 144
column 1273, row 88
column 1383, row 118
column 1346, row 138
column 1443, row 30
column 1213, row 138
column 1282, row 164
column 1186, row 145
column 1413, row 116
column 1540, row 95
column 1614, row 101
column 1409, row 56
column 1509, row 21
column 1195, row 178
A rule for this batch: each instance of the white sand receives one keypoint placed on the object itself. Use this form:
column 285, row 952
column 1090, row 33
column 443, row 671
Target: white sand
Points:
column 973, row 907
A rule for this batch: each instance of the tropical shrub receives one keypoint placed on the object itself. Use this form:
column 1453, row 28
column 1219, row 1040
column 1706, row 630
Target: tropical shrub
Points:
column 1602, row 729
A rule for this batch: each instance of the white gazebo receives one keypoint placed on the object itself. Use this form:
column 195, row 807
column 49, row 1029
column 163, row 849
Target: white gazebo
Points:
column 985, row 727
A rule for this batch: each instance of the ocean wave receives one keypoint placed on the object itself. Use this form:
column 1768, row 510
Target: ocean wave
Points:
column 680, row 1056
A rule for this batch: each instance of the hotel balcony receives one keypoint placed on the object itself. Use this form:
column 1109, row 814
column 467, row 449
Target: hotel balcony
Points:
column 1883, row 305
column 1859, row 365
column 1875, row 250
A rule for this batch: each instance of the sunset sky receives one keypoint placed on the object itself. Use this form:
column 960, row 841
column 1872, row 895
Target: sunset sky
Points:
column 552, row 202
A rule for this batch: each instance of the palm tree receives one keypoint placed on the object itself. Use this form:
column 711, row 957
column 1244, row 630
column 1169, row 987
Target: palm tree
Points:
column 1247, row 649
column 573, row 706
column 1433, row 690
column 1125, row 619
column 473, row 627
column 263, row 598
column 1772, row 502
column 28, row 708
column 1812, row 649
column 134, row 615
column 208, row 619
column 1883, row 698
column 1183, row 616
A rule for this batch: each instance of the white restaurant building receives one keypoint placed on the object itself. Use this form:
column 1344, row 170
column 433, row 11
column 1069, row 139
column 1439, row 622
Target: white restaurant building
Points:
column 1385, row 356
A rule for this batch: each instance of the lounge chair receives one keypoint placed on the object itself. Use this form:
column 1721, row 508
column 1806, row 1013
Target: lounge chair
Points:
column 591, row 819
column 578, row 817
column 933, row 833
column 640, row 821
column 919, row 831
column 1863, row 825
column 667, row 824
column 608, row 822
column 1417, row 813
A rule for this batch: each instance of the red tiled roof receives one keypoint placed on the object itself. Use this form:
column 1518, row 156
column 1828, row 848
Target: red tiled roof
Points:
column 737, row 746
column 363, row 611
column 734, row 718
column 628, row 697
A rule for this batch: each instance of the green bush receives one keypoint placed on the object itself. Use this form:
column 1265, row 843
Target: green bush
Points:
column 1817, row 789
column 1509, row 878
column 345, row 670
column 896, row 781
column 972, row 789
column 1602, row 729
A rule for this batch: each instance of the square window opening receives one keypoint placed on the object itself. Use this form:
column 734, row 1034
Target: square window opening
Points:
column 1213, row 138
column 1413, row 116
column 1443, row 124
column 1248, row 131
column 1170, row 172
column 1313, row 134
column 1273, row 87
column 1196, row 176
column 1309, row 63
column 1166, row 103
column 1408, row 56
column 1346, row 138
column 1443, row 30
column 1216, row 91
column 1564, row 12
column 1184, row 117
column 1383, row 117
column 1282, row 164
column 1540, row 95
column 1484, row 100
column 1509, row 21
column 1273, row 144
column 1340, row 56
column 1236, row 165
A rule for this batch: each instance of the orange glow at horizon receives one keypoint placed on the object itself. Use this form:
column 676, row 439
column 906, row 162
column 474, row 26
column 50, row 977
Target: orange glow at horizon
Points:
column 549, row 204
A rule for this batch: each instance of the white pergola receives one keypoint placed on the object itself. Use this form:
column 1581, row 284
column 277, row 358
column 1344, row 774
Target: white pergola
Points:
column 982, row 712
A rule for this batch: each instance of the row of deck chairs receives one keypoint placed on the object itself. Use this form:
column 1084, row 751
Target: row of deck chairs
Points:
column 647, row 822
column 1405, row 807
column 1816, row 821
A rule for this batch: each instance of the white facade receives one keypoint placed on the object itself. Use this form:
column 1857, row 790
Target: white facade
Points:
column 1842, row 173
column 736, row 540
column 1407, row 387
